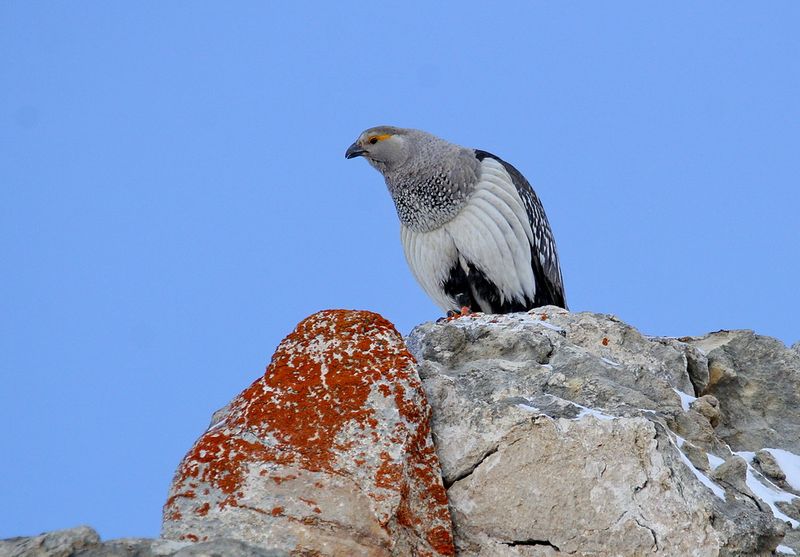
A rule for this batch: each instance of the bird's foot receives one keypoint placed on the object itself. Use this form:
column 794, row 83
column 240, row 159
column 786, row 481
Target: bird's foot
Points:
column 451, row 314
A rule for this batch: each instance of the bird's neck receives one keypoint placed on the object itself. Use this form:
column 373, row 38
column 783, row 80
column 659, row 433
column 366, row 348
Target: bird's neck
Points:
column 425, row 200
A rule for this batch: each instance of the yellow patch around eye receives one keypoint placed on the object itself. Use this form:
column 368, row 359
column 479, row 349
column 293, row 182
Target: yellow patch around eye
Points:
column 382, row 136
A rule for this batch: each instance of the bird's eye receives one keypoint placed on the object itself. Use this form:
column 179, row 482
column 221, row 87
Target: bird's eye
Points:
column 373, row 140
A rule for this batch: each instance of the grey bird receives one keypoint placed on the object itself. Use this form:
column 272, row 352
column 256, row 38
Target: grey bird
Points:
column 473, row 230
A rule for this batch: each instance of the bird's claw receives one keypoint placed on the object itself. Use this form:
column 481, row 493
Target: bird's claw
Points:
column 452, row 314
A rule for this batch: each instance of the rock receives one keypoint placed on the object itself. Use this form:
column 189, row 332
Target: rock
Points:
column 750, row 373
column 696, row 362
column 769, row 466
column 621, row 501
column 608, row 338
column 560, row 432
column 697, row 429
column 521, row 359
column 170, row 548
column 708, row 407
column 226, row 548
column 135, row 547
column 790, row 508
column 84, row 542
column 60, row 543
column 328, row 453
column 733, row 473
column 696, row 456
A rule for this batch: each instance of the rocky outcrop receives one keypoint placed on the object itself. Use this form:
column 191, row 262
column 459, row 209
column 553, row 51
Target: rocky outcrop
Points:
column 61, row 543
column 572, row 433
column 759, row 380
column 557, row 434
column 329, row 453
column 85, row 542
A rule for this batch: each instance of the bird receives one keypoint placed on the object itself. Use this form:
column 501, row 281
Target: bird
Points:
column 473, row 230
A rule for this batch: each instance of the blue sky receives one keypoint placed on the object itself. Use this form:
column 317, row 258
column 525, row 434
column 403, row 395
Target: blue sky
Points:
column 174, row 197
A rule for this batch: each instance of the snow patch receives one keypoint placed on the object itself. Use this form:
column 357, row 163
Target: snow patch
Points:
column 547, row 325
column 770, row 495
column 610, row 362
column 586, row 411
column 686, row 400
column 767, row 491
column 785, row 550
column 714, row 461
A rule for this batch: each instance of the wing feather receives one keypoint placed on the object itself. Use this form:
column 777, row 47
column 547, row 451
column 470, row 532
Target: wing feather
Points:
column 480, row 241
column 513, row 209
column 516, row 240
column 431, row 256
column 544, row 257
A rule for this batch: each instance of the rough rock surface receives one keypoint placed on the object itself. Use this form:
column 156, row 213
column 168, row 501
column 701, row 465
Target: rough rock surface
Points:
column 759, row 380
column 60, row 543
column 85, row 542
column 329, row 453
column 572, row 433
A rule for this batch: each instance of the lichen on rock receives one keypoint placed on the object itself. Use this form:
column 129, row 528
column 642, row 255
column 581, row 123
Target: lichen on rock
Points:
column 329, row 451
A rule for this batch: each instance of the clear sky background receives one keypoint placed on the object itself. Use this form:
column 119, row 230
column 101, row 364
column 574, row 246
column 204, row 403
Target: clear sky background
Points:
column 174, row 197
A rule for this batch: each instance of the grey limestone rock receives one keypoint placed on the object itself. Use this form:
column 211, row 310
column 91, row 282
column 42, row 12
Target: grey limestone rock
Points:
column 59, row 543
column 83, row 541
column 733, row 473
column 562, row 432
column 769, row 466
column 757, row 382
column 708, row 406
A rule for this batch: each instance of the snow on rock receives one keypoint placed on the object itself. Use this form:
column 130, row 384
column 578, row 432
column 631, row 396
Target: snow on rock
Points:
column 789, row 463
column 771, row 495
column 767, row 491
column 329, row 453
column 686, row 399
column 705, row 480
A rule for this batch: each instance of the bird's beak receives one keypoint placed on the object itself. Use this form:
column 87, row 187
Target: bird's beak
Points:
column 353, row 151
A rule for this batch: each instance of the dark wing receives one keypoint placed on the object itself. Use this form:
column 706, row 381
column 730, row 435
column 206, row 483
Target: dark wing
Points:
column 544, row 256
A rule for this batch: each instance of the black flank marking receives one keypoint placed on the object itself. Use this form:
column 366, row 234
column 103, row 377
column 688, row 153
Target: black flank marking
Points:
column 489, row 293
column 457, row 287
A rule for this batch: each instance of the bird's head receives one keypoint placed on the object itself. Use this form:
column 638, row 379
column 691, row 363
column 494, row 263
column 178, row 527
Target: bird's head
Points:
column 385, row 147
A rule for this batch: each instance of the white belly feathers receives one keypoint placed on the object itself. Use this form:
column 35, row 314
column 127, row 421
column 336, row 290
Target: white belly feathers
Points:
column 492, row 232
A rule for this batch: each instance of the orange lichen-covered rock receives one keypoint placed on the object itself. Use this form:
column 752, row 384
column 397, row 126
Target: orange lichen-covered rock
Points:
column 329, row 453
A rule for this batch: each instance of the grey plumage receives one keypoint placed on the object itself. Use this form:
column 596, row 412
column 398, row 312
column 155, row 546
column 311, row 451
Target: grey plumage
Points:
column 473, row 230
